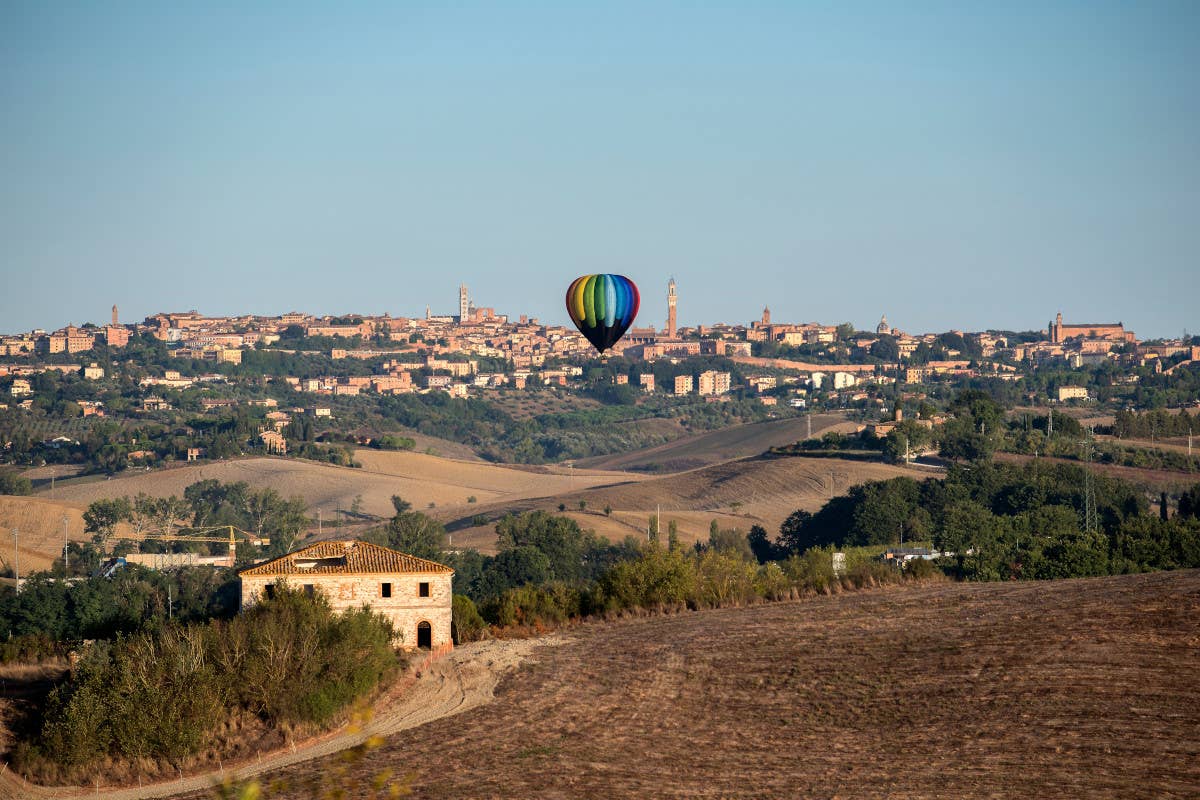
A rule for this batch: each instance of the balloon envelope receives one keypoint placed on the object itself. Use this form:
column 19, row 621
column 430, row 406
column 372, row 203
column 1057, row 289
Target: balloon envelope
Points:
column 603, row 307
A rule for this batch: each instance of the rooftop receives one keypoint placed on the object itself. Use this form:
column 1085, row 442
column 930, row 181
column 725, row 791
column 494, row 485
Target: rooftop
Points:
column 344, row 557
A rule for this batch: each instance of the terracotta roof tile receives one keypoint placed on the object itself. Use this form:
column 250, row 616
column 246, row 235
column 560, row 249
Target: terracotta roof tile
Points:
column 344, row 557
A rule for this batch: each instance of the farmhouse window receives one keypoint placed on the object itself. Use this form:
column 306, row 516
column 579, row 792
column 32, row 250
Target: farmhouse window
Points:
column 308, row 589
column 270, row 587
column 385, row 590
column 423, row 590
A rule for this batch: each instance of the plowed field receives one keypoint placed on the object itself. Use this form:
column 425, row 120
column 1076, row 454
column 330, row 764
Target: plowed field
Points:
column 1069, row 689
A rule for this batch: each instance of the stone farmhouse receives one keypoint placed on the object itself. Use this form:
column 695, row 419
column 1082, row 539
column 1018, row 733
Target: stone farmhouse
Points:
column 413, row 592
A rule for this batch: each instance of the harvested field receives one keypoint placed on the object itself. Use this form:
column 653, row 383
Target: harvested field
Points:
column 1082, row 688
column 739, row 494
column 738, row 441
column 41, row 530
column 421, row 479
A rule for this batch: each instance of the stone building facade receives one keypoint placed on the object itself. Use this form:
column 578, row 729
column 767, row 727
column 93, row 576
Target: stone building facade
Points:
column 413, row 592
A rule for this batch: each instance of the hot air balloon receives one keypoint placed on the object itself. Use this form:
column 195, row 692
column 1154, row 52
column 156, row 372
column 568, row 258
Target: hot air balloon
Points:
column 603, row 307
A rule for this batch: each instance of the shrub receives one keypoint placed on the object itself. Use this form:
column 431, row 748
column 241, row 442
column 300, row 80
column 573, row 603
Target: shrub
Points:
column 919, row 569
column 812, row 570
column 533, row 605
column 659, row 577
column 724, row 579
column 165, row 694
column 13, row 482
column 466, row 624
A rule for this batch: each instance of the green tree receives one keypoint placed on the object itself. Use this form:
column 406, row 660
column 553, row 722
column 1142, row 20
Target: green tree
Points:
column 567, row 546
column 1189, row 503
column 103, row 516
column 13, row 482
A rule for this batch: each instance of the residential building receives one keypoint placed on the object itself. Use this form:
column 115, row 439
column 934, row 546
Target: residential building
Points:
column 683, row 384
column 413, row 593
column 1072, row 393
column 713, row 383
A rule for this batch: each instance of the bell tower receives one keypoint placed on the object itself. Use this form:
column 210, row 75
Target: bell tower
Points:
column 671, row 309
column 114, row 322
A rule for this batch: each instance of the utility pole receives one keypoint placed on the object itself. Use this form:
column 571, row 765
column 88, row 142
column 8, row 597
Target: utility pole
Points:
column 1050, row 424
column 16, row 558
column 66, row 552
column 318, row 523
column 808, row 419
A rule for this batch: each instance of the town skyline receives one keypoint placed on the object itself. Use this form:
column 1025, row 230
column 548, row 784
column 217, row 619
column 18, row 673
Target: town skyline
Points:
column 649, row 315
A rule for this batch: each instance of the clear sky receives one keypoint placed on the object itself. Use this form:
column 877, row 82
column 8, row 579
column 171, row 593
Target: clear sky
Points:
column 953, row 164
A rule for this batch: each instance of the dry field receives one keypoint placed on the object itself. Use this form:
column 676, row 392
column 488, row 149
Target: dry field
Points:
column 1067, row 689
column 41, row 530
column 739, row 494
column 421, row 479
column 738, row 441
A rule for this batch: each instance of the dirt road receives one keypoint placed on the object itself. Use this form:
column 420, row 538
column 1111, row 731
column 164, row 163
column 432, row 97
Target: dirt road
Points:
column 459, row 681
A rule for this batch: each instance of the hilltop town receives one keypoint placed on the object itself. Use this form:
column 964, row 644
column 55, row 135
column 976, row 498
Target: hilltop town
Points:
column 479, row 349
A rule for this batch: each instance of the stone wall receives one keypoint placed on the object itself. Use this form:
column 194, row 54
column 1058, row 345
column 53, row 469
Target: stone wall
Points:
column 406, row 608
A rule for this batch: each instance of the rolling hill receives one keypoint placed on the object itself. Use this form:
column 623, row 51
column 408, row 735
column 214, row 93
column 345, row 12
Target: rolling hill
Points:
column 737, row 441
column 1081, row 688
column 430, row 483
column 738, row 494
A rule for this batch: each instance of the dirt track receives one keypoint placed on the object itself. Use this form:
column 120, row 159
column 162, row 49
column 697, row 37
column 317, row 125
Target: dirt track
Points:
column 458, row 682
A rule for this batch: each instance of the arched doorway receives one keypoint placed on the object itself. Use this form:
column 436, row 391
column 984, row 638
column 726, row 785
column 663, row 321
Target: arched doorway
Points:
column 424, row 636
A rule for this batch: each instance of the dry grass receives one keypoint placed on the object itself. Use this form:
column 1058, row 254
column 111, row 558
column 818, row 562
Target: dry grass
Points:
column 40, row 523
column 738, row 494
column 738, row 441
column 1079, row 688
column 421, row 479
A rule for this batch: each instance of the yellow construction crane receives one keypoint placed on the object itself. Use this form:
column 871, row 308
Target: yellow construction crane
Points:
column 199, row 535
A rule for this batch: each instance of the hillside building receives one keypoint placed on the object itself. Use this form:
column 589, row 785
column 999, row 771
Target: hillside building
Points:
column 1113, row 331
column 714, row 383
column 1072, row 393
column 412, row 592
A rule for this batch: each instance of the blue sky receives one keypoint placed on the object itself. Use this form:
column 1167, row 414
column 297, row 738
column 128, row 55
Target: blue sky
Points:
column 955, row 165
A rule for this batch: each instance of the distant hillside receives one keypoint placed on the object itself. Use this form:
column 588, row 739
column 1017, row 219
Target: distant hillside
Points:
column 40, row 522
column 430, row 483
column 738, row 494
column 702, row 449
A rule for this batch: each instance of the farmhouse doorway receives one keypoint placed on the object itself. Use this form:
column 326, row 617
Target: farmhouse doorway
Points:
column 424, row 636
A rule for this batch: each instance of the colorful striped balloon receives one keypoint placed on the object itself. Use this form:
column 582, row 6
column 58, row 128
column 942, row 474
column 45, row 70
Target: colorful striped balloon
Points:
column 603, row 307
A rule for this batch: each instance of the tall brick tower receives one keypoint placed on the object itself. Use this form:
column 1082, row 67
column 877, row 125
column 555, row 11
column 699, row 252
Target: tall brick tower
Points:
column 114, row 322
column 671, row 309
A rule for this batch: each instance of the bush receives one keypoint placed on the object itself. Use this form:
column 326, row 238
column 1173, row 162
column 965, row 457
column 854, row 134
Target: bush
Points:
column 658, row 578
column 164, row 695
column 13, row 482
column 466, row 625
column 920, row 569
column 533, row 605
column 724, row 579
column 812, row 570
